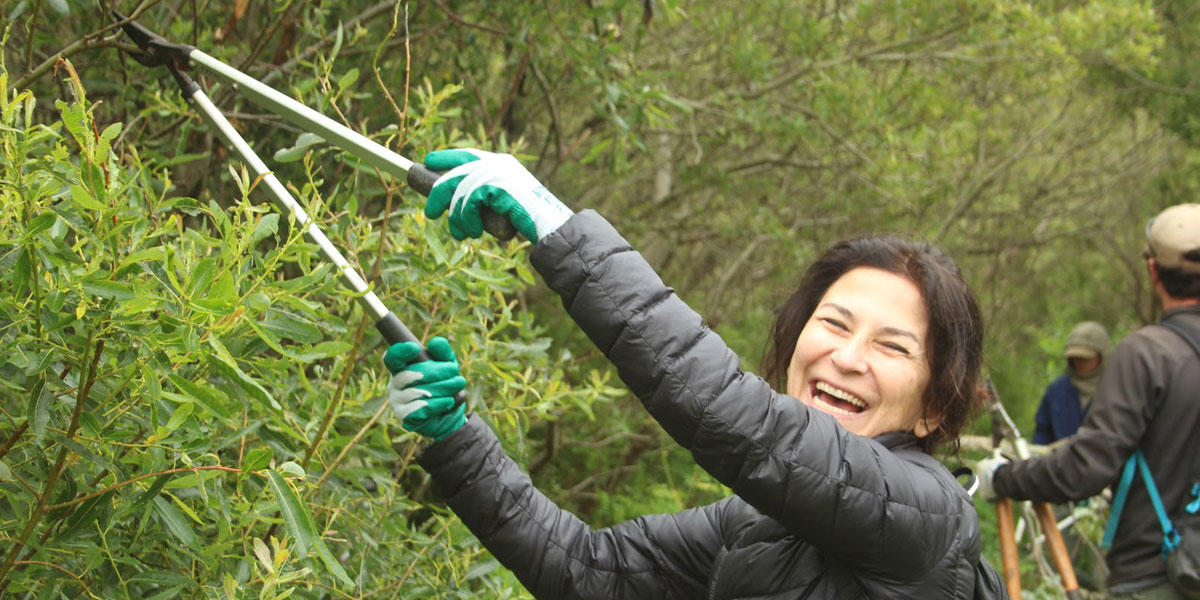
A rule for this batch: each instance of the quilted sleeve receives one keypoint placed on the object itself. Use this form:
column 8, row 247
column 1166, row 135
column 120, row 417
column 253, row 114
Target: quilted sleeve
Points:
column 554, row 553
column 894, row 514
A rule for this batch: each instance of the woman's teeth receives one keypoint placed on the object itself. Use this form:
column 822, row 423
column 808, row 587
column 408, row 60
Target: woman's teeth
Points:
column 839, row 401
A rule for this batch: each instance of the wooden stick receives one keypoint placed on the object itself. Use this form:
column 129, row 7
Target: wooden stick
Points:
column 1058, row 549
column 1008, row 547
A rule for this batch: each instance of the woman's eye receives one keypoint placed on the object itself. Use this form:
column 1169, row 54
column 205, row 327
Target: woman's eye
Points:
column 897, row 348
column 836, row 324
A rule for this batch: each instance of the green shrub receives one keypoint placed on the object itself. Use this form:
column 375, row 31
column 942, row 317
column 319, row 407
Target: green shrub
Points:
column 193, row 404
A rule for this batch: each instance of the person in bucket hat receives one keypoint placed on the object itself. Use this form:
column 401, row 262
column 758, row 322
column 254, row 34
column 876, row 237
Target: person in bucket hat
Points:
column 1067, row 398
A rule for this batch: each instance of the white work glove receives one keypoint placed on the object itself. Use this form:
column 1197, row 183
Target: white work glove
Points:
column 985, row 470
column 474, row 179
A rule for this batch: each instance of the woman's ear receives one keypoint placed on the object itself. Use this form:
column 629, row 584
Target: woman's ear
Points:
column 926, row 425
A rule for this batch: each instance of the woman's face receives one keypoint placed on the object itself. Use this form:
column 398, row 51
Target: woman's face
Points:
column 861, row 356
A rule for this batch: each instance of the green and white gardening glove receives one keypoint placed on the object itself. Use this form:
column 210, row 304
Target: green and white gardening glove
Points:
column 474, row 179
column 422, row 393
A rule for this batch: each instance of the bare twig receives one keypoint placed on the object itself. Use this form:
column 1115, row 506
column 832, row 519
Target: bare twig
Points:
column 513, row 89
column 87, row 42
column 12, row 439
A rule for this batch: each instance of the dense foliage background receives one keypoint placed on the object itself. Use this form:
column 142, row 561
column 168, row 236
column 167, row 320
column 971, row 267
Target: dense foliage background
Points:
column 192, row 404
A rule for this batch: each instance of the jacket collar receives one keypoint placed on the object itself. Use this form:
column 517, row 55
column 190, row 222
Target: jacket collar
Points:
column 896, row 440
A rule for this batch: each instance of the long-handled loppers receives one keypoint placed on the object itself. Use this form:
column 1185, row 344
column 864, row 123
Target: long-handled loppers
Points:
column 157, row 51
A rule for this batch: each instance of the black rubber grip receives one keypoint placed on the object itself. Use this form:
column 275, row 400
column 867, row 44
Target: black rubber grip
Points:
column 394, row 332
column 421, row 178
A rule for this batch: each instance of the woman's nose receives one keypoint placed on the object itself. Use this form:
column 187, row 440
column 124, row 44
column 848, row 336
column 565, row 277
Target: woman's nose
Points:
column 850, row 356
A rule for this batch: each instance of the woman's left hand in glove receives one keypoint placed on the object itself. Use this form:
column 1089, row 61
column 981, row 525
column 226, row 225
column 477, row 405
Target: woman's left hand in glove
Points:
column 422, row 393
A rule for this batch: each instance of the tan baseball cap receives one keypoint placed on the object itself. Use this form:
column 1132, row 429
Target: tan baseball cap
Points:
column 1173, row 238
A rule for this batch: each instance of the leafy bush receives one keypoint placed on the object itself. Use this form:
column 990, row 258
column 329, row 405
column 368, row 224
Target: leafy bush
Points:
column 193, row 404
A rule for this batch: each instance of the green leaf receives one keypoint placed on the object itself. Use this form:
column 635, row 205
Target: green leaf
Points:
column 257, row 458
column 301, row 526
column 152, row 387
column 205, row 395
column 182, row 412
column 348, row 79
column 225, row 362
column 107, row 288
column 175, row 522
column 72, row 117
column 151, row 492
column 193, row 479
column 78, row 448
column 84, row 199
column 37, row 411
column 291, row 327
column 324, row 350
column 299, row 522
column 332, row 564
column 202, row 274
column 39, row 224
column 296, row 152
column 433, row 242
column 161, row 578
column 155, row 253
column 88, row 513
column 267, row 226
column 104, row 144
column 292, row 468
column 221, row 297
column 483, row 275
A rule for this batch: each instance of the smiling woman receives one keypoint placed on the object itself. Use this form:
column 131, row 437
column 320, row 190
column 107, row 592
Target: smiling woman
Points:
column 885, row 335
column 835, row 494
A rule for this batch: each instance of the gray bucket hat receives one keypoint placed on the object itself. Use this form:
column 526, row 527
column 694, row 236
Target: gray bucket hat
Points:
column 1088, row 339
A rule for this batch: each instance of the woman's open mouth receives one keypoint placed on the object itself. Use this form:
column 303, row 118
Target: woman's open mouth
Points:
column 835, row 401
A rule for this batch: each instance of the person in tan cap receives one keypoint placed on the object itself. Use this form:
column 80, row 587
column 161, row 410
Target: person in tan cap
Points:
column 1146, row 402
column 1066, row 399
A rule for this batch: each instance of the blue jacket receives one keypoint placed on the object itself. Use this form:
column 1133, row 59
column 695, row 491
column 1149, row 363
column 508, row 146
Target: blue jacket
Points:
column 1060, row 413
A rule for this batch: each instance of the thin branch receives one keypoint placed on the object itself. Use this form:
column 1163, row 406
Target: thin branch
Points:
column 77, row 579
column 59, row 465
column 84, row 43
column 465, row 23
column 363, row 17
column 788, row 78
column 337, row 460
column 12, row 439
column 555, row 128
column 513, row 89
column 121, row 484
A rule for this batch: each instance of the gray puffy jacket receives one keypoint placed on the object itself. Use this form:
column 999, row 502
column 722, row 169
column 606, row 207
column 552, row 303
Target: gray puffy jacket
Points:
column 818, row 512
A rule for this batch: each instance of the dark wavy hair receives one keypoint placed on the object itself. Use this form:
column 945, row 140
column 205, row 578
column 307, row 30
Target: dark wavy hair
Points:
column 954, row 341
